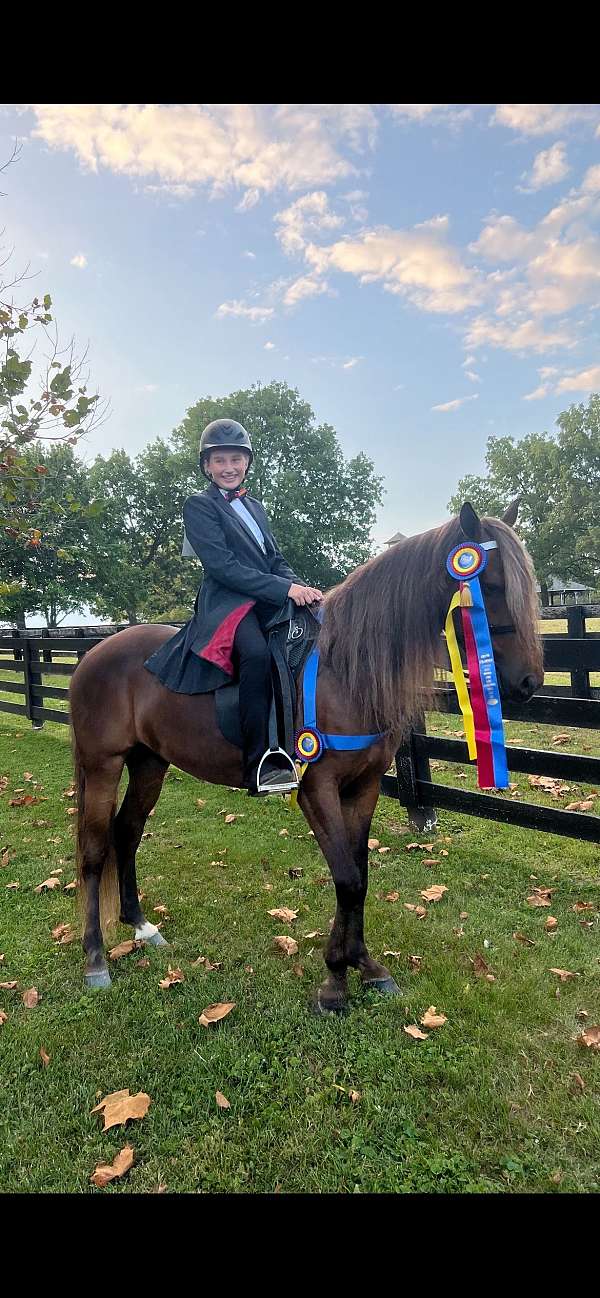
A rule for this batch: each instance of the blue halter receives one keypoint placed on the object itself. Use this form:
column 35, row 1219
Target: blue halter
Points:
column 310, row 741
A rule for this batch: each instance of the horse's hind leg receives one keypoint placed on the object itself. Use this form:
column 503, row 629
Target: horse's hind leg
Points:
column 146, row 774
column 96, row 860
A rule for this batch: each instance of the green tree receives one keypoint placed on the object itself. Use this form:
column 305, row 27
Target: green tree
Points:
column 135, row 543
column 53, row 577
column 321, row 505
column 557, row 478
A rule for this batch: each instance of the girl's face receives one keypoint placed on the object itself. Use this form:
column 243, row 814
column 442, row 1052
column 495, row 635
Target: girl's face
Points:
column 227, row 468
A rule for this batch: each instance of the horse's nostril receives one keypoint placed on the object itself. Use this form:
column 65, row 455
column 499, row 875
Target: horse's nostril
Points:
column 529, row 685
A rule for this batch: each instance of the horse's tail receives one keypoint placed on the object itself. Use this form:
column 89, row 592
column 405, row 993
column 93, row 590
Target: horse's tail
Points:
column 109, row 879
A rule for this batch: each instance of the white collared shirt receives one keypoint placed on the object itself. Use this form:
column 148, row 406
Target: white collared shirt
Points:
column 247, row 519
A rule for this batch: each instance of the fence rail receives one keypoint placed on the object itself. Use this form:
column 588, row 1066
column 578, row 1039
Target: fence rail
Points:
column 29, row 653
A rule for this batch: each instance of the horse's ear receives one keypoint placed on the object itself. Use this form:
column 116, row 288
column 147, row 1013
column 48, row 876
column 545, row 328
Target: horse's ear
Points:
column 470, row 522
column 510, row 516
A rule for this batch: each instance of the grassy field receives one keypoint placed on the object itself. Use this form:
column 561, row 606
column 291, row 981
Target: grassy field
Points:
column 500, row 1098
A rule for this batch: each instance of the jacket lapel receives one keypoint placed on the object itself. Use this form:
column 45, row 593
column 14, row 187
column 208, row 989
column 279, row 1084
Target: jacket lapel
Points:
column 231, row 514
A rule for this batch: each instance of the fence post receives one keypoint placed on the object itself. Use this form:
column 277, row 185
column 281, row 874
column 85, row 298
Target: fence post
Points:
column 580, row 678
column 18, row 651
column 47, row 654
column 410, row 767
column 33, row 676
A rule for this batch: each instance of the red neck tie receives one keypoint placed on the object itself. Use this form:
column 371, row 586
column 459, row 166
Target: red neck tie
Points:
column 235, row 495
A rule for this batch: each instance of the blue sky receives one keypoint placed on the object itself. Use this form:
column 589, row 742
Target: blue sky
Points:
column 426, row 275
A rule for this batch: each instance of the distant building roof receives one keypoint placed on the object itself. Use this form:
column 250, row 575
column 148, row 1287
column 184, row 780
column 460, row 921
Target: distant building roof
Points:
column 557, row 584
column 398, row 536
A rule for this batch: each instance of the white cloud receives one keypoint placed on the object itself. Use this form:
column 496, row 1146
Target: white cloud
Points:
column 503, row 239
column 537, row 393
column 269, row 347
column 258, row 314
column 305, row 286
column 542, row 119
column 474, row 378
column 308, row 215
column 255, row 148
column 436, row 114
column 79, row 260
column 528, row 335
column 250, row 255
column 591, row 180
column 585, row 381
column 148, row 387
column 354, row 360
column 549, row 167
column 417, row 263
column 469, row 360
column 250, row 199
column 455, row 405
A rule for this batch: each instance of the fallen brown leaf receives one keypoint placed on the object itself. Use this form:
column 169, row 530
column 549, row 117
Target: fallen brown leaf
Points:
column 578, row 1079
column 161, row 910
column 200, row 802
column 173, row 976
column 421, row 911
column 419, row 847
column 431, row 860
column 590, row 1037
column 392, row 896
column 286, row 944
column 69, row 887
column 230, row 818
column 44, row 1056
column 14, row 884
column 435, row 893
column 214, row 1013
column 3, row 1017
column 106, row 1172
column 315, row 933
column 30, row 998
column 383, row 850
column 372, row 844
column 464, row 914
column 522, row 937
column 5, row 858
column 564, row 974
column 561, row 739
column 431, row 1018
column 583, row 905
column 284, row 833
column 284, row 913
column 50, row 883
column 142, row 964
column 481, row 968
column 413, row 1031
column 540, row 897
column 23, row 802
column 120, row 1106
column 550, row 924
column 222, row 1101
column 124, row 948
column 63, row 933
column 8, row 987
column 354, row 1096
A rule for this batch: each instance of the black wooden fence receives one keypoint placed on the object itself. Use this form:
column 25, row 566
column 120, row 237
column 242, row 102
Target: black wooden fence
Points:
column 31, row 655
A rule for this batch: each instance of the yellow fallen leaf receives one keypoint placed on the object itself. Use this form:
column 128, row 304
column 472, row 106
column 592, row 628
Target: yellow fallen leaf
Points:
column 435, row 893
column 286, row 944
column 284, row 913
column 590, row 1037
column 120, row 1106
column 173, row 976
column 222, row 1101
column 214, row 1013
column 44, row 1056
column 124, row 948
column 106, row 1172
column 431, row 1018
column 30, row 998
column 50, row 883
column 413, row 1031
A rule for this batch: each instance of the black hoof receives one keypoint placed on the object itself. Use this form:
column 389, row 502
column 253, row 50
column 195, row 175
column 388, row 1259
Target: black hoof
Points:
column 385, row 986
column 323, row 1007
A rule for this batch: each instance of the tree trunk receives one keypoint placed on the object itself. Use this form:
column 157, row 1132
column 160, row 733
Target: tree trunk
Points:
column 132, row 615
column 545, row 598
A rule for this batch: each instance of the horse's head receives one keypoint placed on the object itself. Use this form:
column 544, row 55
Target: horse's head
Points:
column 511, row 601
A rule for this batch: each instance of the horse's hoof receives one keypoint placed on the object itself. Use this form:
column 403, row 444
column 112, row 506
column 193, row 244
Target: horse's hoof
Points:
column 325, row 1008
column 385, row 986
column 155, row 939
column 98, row 980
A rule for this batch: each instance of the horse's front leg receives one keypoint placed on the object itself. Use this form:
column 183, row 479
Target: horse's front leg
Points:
column 358, row 805
column 321, row 804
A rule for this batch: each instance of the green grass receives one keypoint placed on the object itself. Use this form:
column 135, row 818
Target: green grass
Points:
column 487, row 1103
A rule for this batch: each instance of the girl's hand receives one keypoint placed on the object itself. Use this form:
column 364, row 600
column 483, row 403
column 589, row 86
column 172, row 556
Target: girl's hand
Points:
column 304, row 594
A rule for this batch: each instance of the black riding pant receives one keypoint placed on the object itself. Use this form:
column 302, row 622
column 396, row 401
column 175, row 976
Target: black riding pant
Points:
column 252, row 659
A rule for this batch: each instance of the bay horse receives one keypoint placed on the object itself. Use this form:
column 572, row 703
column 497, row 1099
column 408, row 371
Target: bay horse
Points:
column 379, row 644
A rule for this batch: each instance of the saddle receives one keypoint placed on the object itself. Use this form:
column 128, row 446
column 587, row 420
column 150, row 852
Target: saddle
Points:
column 291, row 632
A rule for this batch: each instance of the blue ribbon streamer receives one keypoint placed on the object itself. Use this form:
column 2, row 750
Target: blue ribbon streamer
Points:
column 489, row 681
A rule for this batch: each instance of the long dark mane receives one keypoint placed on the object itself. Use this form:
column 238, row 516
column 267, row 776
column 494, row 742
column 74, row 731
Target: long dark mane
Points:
column 382, row 625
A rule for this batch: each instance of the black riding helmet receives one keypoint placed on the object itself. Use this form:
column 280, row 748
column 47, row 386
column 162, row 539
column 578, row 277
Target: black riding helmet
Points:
column 225, row 434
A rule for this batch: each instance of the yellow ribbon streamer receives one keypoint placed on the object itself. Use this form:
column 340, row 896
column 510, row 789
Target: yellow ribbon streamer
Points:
column 461, row 598
column 300, row 768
